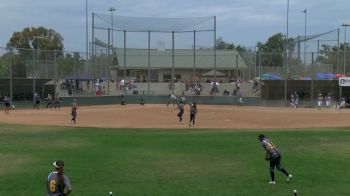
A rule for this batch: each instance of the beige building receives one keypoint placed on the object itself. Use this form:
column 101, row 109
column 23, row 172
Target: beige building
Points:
column 186, row 63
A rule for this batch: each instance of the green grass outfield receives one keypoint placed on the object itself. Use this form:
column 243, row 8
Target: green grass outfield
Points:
column 173, row 162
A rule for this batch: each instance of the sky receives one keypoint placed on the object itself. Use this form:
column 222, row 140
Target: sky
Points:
column 243, row 22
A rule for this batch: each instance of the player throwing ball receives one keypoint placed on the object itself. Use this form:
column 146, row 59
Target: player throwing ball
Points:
column 274, row 156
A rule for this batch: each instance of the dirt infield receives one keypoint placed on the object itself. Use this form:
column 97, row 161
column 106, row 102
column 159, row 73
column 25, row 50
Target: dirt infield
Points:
column 161, row 116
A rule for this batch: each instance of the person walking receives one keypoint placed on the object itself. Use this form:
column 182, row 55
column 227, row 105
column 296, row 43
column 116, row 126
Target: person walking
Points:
column 57, row 183
column 274, row 156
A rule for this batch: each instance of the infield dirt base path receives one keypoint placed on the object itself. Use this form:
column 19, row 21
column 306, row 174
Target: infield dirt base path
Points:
column 161, row 116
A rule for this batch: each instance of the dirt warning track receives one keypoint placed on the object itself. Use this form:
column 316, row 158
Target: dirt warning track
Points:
column 161, row 116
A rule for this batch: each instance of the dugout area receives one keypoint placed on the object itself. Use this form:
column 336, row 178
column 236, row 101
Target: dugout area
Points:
column 22, row 89
column 275, row 89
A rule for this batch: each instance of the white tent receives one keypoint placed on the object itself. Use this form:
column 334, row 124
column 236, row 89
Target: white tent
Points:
column 213, row 73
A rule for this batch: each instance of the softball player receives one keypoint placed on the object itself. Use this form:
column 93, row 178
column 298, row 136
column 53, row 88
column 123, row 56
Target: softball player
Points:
column 319, row 101
column 342, row 103
column 292, row 100
column 49, row 101
column 181, row 111
column 37, row 101
column 193, row 112
column 173, row 99
column 7, row 103
column 57, row 101
column 328, row 101
column 274, row 156
column 74, row 111
column 296, row 99
column 57, row 183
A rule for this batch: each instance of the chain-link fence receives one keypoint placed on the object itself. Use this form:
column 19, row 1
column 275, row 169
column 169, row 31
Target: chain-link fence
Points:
column 24, row 72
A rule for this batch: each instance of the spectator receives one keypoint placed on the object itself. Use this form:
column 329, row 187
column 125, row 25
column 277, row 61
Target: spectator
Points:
column 225, row 93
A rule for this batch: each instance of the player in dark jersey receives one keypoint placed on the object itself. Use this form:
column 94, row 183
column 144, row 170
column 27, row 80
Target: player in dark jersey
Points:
column 274, row 156
column 193, row 112
column 181, row 111
column 7, row 102
column 74, row 111
column 37, row 101
column 57, row 183
column 57, row 100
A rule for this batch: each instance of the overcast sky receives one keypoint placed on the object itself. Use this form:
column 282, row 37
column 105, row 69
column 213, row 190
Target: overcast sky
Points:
column 244, row 22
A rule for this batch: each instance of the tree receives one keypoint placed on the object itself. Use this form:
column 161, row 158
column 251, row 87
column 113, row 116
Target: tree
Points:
column 47, row 43
column 36, row 38
column 221, row 44
column 271, row 52
column 329, row 56
column 4, row 72
column 70, row 64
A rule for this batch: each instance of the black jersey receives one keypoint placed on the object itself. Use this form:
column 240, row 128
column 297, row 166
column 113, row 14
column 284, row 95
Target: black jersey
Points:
column 181, row 107
column 193, row 110
column 270, row 147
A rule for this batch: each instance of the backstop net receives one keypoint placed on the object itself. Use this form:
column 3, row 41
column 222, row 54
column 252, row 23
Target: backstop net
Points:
column 153, row 50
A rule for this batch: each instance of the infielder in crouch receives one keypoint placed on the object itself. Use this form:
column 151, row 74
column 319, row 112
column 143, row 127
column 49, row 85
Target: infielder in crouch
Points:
column 173, row 99
column 274, row 156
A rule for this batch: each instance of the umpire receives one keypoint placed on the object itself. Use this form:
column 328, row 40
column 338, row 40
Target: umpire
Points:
column 274, row 156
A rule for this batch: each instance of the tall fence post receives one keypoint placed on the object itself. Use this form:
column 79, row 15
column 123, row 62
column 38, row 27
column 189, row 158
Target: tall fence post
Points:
column 11, row 92
column 33, row 74
column 312, row 78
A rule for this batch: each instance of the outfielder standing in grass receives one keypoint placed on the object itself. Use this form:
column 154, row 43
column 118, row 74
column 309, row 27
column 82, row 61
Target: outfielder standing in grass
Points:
column 274, row 156
column 193, row 112
column 58, row 184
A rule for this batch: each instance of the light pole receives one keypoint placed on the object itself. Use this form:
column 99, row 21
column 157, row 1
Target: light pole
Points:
column 33, row 65
column 344, row 49
column 86, row 38
column 112, row 9
column 305, row 12
column 286, row 50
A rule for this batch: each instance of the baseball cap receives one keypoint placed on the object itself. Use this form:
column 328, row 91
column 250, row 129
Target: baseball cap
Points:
column 58, row 164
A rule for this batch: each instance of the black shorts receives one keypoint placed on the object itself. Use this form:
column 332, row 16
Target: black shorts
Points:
column 7, row 104
column 275, row 162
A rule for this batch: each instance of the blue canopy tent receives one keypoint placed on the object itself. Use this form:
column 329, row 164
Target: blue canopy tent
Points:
column 325, row 76
column 82, row 77
column 270, row 76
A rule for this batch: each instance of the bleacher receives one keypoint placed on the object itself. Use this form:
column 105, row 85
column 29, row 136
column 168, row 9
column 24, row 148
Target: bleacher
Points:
column 246, row 89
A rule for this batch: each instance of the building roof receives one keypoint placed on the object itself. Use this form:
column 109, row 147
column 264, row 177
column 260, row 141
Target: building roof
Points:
column 183, row 59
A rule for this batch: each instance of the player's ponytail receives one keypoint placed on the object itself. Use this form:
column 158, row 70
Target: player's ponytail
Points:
column 59, row 167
